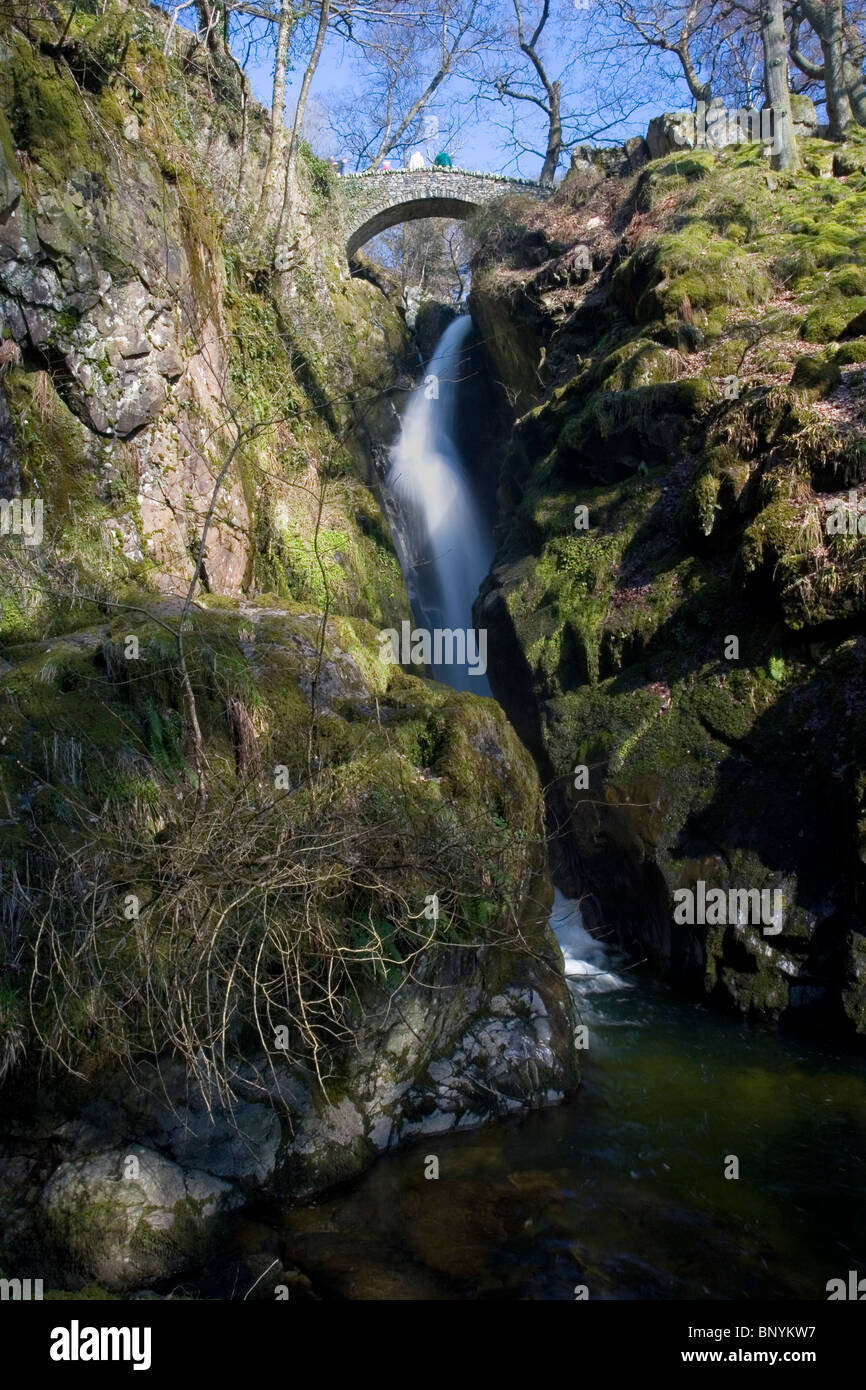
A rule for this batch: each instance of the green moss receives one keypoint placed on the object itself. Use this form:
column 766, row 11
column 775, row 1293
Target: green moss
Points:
column 773, row 536
column 827, row 320
column 624, row 628
column 632, row 417
column 815, row 378
column 322, row 178
column 848, row 280
column 854, row 351
column 49, row 116
column 705, row 495
column 636, row 364
column 87, row 726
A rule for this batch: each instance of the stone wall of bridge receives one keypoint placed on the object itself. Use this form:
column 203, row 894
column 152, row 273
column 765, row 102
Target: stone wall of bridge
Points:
column 374, row 202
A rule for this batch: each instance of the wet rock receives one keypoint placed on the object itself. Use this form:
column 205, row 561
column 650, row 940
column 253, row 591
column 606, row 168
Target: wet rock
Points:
column 126, row 1217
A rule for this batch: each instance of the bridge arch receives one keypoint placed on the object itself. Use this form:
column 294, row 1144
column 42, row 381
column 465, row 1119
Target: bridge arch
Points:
column 409, row 211
column 374, row 202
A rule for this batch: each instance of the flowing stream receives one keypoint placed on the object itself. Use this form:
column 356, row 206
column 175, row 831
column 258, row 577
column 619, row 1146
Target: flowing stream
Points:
column 623, row 1189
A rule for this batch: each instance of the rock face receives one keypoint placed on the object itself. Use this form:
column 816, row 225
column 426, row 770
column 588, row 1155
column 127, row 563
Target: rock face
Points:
column 671, row 132
column 716, row 126
column 431, row 320
column 456, row 1055
column 153, row 355
column 650, row 514
column 630, row 157
column 142, row 357
column 804, row 114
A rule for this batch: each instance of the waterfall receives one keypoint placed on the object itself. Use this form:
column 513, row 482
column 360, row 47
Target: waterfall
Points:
column 443, row 541
column 586, row 959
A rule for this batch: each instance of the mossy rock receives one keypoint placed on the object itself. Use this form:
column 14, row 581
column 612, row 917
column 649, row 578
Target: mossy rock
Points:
column 704, row 501
column 849, row 161
column 91, row 723
column 624, row 630
column 856, row 327
column 831, row 319
column 851, row 352
column 848, row 280
column 815, row 378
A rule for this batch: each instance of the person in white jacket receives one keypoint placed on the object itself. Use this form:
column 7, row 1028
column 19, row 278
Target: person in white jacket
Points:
column 416, row 160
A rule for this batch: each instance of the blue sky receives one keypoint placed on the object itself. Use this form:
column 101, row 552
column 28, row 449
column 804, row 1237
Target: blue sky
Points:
column 651, row 84
column 481, row 142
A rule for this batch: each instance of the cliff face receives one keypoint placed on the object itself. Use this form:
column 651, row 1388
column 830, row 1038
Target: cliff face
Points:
column 293, row 899
column 149, row 345
column 685, row 656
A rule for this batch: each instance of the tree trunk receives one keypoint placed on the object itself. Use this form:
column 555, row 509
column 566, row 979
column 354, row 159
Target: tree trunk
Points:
column 213, row 18
column 286, row 213
column 853, row 57
column 835, row 88
column 774, row 39
column 278, row 130
column 837, row 71
column 554, row 137
column 701, row 91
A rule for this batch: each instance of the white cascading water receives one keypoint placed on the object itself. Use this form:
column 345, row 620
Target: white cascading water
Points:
column 586, row 959
column 444, row 544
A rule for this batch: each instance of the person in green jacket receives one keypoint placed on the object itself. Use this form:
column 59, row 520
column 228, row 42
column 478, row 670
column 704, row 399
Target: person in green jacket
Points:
column 443, row 160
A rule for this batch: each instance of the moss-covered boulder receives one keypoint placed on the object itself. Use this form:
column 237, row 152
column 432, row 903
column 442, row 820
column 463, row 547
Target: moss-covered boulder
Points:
column 124, row 1218
column 341, row 945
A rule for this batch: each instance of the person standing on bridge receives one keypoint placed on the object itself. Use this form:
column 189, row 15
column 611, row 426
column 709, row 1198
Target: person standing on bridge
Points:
column 416, row 160
column 443, row 160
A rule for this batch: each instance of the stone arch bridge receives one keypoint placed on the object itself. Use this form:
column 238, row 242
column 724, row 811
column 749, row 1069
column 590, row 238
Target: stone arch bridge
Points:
column 376, row 201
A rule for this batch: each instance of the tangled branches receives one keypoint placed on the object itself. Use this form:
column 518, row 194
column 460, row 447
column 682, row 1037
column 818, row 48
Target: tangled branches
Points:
column 260, row 926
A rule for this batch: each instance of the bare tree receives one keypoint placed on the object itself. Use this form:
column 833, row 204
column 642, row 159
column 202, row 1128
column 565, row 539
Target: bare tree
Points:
column 674, row 30
column 542, row 90
column 213, row 16
column 408, row 59
column 429, row 254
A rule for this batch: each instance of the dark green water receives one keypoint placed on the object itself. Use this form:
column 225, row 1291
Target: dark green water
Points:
column 623, row 1189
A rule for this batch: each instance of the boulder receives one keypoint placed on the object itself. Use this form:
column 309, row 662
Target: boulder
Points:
column 671, row 132
column 617, row 162
column 804, row 114
column 129, row 1216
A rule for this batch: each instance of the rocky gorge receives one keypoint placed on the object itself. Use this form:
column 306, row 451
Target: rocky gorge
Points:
column 272, row 908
